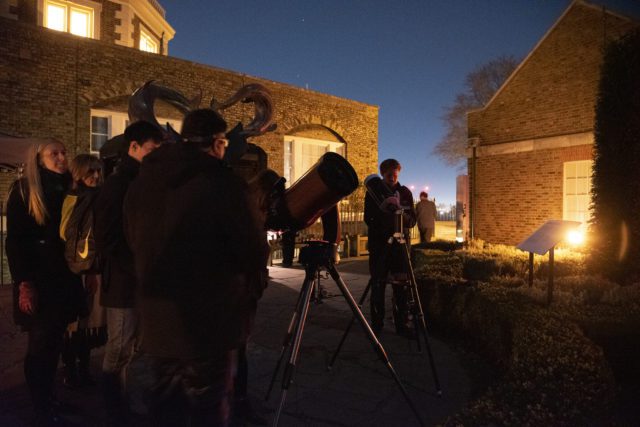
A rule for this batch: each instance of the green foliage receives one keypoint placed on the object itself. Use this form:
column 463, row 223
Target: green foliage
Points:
column 616, row 176
column 553, row 373
column 441, row 245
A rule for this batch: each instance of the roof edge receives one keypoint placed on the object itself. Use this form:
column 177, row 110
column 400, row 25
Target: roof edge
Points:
column 573, row 4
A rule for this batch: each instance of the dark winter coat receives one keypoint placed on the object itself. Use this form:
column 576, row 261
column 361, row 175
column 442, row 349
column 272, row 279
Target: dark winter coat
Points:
column 381, row 225
column 36, row 253
column 118, row 274
column 197, row 251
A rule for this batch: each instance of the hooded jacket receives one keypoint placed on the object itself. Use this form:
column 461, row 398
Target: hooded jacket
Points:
column 197, row 247
column 118, row 276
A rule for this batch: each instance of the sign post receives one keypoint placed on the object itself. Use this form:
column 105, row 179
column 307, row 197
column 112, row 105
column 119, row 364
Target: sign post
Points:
column 544, row 240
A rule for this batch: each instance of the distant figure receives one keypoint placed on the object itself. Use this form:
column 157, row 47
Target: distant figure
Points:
column 288, row 247
column 426, row 213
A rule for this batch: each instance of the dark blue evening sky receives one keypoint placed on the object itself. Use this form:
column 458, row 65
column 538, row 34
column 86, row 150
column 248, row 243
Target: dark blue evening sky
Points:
column 410, row 58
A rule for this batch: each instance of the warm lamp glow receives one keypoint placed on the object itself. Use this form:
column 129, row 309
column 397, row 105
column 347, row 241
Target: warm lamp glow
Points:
column 575, row 237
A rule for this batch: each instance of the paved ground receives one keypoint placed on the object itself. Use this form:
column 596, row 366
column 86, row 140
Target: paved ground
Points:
column 359, row 391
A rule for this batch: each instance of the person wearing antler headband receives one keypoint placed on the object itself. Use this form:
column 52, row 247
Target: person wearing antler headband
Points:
column 197, row 246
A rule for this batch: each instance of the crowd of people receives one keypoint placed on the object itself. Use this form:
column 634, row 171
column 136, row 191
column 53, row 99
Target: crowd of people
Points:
column 180, row 264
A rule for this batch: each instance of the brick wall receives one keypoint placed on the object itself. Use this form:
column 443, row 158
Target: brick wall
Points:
column 516, row 193
column 554, row 90
column 552, row 93
column 49, row 82
column 109, row 21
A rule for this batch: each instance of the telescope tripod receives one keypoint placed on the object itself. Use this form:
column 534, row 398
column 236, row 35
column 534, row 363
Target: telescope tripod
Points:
column 315, row 256
column 413, row 302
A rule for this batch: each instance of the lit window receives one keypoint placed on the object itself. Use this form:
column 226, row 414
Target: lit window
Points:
column 577, row 191
column 80, row 22
column 69, row 17
column 148, row 43
column 56, row 17
column 300, row 154
column 99, row 132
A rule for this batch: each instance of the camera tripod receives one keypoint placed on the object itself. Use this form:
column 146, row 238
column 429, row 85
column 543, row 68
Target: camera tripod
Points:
column 413, row 302
column 314, row 256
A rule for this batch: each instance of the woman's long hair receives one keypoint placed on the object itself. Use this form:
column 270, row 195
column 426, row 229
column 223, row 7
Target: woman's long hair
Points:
column 82, row 166
column 37, row 207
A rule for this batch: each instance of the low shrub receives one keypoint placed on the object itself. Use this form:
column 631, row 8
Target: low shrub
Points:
column 441, row 245
column 553, row 374
column 553, row 370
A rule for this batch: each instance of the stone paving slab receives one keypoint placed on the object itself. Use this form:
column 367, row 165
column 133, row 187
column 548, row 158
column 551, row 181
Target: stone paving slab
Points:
column 358, row 391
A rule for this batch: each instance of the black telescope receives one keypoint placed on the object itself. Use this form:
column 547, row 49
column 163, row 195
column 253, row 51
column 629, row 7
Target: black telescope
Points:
column 378, row 189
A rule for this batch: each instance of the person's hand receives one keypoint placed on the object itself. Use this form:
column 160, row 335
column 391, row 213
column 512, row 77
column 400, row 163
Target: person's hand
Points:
column 391, row 204
column 27, row 298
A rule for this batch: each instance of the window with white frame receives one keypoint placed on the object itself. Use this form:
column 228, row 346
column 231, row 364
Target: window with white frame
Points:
column 99, row 132
column 106, row 124
column 148, row 43
column 577, row 191
column 69, row 17
column 300, row 154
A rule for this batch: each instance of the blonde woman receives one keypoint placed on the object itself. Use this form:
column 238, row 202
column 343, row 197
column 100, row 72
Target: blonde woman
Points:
column 90, row 331
column 47, row 296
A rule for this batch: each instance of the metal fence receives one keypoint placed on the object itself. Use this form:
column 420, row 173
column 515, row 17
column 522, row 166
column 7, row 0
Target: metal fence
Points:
column 351, row 216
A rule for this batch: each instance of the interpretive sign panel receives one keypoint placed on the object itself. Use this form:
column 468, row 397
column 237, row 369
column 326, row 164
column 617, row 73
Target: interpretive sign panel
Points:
column 547, row 236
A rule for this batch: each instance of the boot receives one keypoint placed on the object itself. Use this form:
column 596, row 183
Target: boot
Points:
column 401, row 316
column 84, row 359
column 113, row 399
column 69, row 367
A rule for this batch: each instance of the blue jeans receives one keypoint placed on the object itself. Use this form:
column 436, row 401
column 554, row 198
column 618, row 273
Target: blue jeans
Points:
column 122, row 329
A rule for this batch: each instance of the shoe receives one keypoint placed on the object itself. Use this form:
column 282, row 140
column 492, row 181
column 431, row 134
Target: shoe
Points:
column 86, row 380
column 406, row 332
column 245, row 414
column 51, row 420
column 60, row 407
column 71, row 383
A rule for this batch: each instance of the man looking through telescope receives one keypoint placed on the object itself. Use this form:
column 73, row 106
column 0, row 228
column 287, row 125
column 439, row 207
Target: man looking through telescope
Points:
column 385, row 255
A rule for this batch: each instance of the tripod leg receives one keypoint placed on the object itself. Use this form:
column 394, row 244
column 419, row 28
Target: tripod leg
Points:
column 372, row 338
column 287, row 378
column 346, row 332
column 421, row 320
column 285, row 344
column 411, row 312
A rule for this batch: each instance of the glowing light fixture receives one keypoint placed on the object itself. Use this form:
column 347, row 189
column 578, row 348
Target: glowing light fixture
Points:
column 575, row 237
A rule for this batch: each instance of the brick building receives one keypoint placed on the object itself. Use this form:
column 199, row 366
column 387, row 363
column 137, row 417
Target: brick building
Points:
column 73, row 83
column 530, row 156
